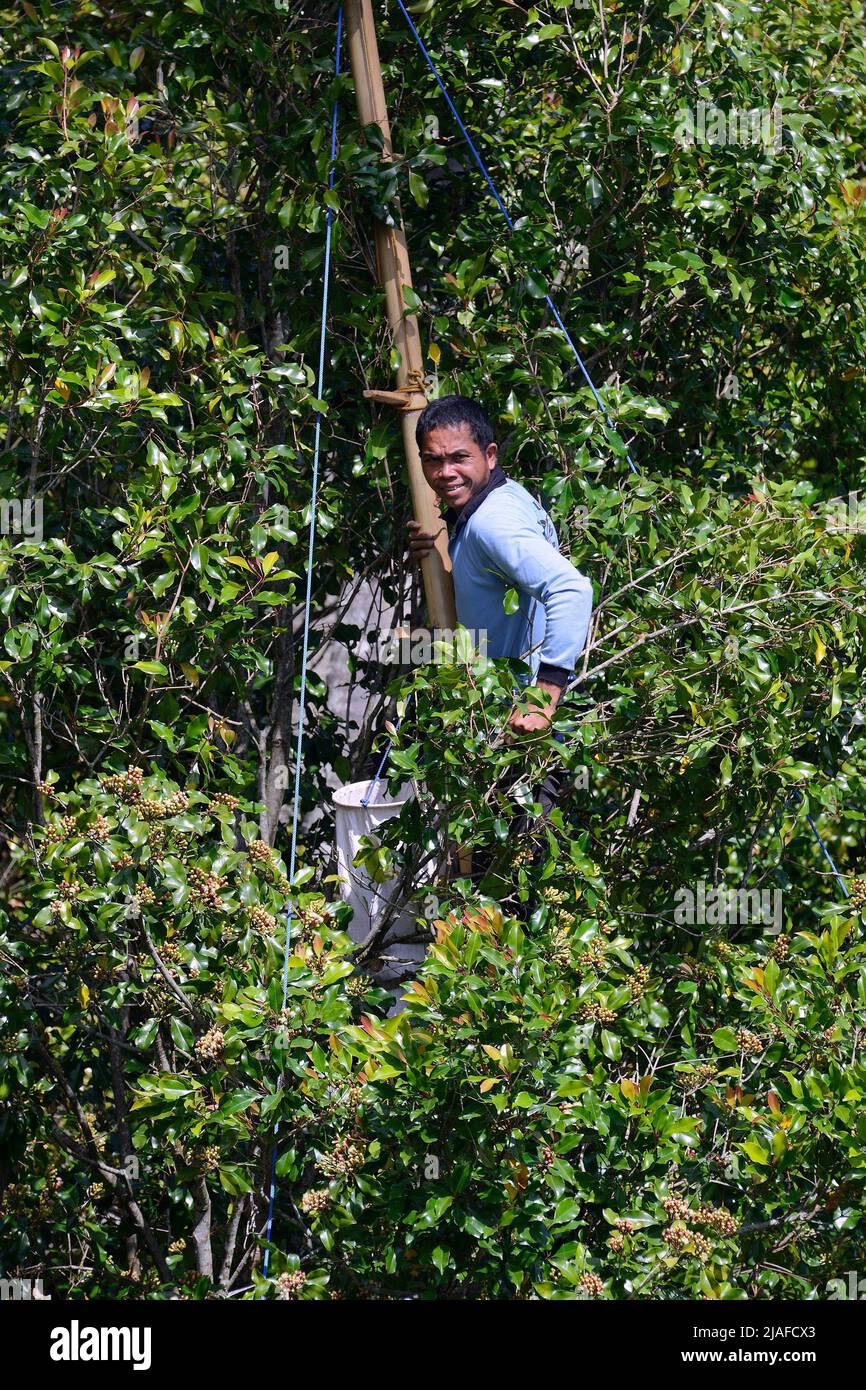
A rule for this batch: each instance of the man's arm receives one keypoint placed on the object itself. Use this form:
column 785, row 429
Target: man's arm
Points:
column 529, row 562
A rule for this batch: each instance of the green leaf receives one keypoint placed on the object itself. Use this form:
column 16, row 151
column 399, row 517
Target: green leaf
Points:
column 145, row 1035
column 536, row 285
column 755, row 1151
column 524, row 1101
column 181, row 1034
column 103, row 278
column 418, row 189
column 232, row 1177
column 151, row 668
column 238, row 1101
column 163, row 731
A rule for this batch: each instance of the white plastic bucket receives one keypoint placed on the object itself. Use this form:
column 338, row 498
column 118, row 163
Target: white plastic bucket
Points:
column 367, row 898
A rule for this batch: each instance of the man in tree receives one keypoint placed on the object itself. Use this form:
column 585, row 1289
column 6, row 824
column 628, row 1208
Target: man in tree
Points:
column 503, row 539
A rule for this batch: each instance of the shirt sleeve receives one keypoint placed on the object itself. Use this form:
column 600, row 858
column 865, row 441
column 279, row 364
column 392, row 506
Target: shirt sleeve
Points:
column 515, row 549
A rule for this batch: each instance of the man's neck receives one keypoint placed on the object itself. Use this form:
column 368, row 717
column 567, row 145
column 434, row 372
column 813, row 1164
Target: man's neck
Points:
column 495, row 479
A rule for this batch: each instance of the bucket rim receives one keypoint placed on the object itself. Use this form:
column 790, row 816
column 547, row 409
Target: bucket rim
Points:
column 350, row 796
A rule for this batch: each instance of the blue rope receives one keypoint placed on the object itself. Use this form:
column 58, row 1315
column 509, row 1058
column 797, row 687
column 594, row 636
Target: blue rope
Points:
column 824, row 850
column 502, row 208
column 389, row 745
column 323, row 331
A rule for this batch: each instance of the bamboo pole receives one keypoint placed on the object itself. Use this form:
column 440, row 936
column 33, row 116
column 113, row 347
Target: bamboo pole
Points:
column 392, row 262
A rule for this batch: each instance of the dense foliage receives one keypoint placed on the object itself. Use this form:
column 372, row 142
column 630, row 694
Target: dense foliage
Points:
column 585, row 1096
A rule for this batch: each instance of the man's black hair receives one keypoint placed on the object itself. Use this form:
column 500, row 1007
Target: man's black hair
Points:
column 449, row 411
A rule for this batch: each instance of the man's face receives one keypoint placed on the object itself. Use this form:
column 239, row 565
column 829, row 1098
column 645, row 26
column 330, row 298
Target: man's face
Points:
column 454, row 466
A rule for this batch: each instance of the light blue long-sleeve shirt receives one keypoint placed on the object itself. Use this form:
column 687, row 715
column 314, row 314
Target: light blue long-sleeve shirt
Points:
column 507, row 541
